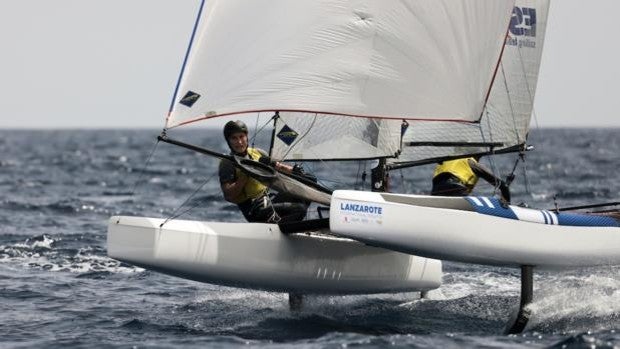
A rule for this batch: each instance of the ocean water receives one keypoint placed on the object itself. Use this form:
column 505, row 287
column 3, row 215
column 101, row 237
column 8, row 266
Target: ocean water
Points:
column 59, row 289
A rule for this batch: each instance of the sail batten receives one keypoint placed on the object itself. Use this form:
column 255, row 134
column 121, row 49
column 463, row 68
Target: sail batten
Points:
column 412, row 59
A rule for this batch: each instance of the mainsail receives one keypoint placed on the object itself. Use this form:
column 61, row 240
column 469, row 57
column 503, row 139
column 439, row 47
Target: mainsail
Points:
column 412, row 59
column 354, row 70
column 505, row 122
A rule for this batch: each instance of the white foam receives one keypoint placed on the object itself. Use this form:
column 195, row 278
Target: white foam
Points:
column 575, row 296
column 41, row 254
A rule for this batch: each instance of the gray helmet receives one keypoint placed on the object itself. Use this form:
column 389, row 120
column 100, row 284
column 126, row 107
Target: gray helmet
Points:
column 233, row 127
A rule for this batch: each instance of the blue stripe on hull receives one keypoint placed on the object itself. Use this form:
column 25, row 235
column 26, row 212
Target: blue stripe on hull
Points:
column 495, row 209
column 586, row 220
column 492, row 207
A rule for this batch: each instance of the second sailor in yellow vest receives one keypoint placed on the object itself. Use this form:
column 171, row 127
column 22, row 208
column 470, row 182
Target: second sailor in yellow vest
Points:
column 459, row 177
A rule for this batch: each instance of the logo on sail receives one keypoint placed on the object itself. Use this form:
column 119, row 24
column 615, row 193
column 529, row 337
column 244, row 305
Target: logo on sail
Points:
column 287, row 135
column 522, row 27
column 189, row 99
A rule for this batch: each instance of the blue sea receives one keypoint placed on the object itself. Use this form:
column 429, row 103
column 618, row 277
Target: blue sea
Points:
column 58, row 288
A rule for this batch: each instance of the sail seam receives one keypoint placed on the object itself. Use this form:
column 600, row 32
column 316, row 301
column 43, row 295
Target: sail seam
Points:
column 211, row 116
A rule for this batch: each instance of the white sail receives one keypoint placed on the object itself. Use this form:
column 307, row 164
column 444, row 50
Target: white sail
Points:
column 302, row 136
column 506, row 119
column 413, row 59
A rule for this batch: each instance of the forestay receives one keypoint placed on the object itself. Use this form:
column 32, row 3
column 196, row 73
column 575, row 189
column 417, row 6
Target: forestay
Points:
column 506, row 119
column 413, row 59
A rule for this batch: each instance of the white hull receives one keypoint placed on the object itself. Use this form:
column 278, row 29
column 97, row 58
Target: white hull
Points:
column 259, row 256
column 451, row 229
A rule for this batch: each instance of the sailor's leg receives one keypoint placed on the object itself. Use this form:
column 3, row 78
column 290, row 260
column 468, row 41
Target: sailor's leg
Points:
column 288, row 208
column 261, row 210
column 291, row 211
column 295, row 301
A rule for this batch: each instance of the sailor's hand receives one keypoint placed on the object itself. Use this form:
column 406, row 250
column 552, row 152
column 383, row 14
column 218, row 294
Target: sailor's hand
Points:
column 298, row 169
column 279, row 166
column 282, row 167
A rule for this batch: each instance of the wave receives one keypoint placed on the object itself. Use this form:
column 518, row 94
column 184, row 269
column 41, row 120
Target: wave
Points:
column 63, row 253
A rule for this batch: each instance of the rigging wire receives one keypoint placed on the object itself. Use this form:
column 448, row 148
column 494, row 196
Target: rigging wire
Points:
column 175, row 213
column 299, row 140
column 256, row 132
column 534, row 114
column 527, row 85
column 510, row 103
column 405, row 186
column 491, row 159
column 148, row 160
column 515, row 126
column 320, row 160
column 302, row 137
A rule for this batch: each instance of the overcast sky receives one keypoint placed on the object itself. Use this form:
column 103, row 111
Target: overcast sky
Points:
column 114, row 63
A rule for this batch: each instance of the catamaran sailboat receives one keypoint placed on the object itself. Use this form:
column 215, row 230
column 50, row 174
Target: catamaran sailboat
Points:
column 406, row 83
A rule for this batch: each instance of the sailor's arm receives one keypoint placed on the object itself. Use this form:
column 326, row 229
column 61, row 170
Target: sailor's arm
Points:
column 231, row 184
column 279, row 166
column 488, row 176
column 232, row 189
column 483, row 173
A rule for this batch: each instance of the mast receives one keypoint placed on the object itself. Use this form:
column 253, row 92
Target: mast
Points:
column 275, row 118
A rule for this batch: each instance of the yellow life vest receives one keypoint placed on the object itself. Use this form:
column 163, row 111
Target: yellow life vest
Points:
column 253, row 188
column 460, row 169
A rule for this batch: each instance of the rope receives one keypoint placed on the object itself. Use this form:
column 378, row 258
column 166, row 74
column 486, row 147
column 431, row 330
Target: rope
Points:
column 274, row 218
